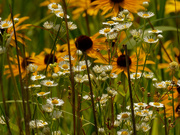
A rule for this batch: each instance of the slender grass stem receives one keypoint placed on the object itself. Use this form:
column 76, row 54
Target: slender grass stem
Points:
column 165, row 121
column 71, row 72
column 177, row 25
column 20, row 77
column 91, row 92
column 3, row 96
column 131, row 99
column 87, row 23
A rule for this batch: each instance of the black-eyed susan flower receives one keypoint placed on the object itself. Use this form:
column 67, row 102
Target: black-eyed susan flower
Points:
column 119, row 63
column 87, row 44
column 170, row 6
column 24, row 62
column 114, row 5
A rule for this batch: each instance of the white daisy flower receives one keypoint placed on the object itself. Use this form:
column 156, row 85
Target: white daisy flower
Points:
column 168, row 82
column 106, row 31
column 2, row 120
column 113, row 75
column 78, row 78
column 48, row 107
column 64, row 65
column 97, row 69
column 151, row 40
column 123, row 132
column 37, row 77
column 112, row 35
column 148, row 75
column 71, row 26
column 6, row 24
column 56, row 114
column 40, row 94
column 107, row 68
column 104, row 98
column 145, row 14
column 60, row 73
column 110, row 23
column 48, row 25
column 49, row 83
column 160, row 85
column 124, row 116
column 123, row 26
column 37, row 124
column 145, row 127
column 61, row 15
column 136, row 33
column 111, row 91
column 140, row 104
column 32, row 68
column 118, row 19
column 156, row 104
column 129, row 108
column 135, row 76
column 66, row 58
column 34, row 86
column 54, row 6
column 86, row 79
column 155, row 31
column 55, row 101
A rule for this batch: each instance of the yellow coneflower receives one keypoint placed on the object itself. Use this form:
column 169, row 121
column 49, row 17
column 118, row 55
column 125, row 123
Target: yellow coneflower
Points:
column 109, row 5
column 24, row 62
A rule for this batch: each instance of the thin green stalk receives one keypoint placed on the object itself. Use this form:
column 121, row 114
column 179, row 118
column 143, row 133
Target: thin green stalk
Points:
column 71, row 72
column 3, row 95
column 91, row 92
column 177, row 24
column 87, row 23
column 131, row 98
column 20, row 76
column 165, row 121
column 173, row 104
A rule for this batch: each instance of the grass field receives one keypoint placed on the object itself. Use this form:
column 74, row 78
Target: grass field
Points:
column 89, row 67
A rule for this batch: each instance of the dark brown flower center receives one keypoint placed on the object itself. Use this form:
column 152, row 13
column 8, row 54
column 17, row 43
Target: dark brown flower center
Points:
column 117, row 1
column 25, row 62
column 113, row 44
column 83, row 43
column 92, row 1
column 178, row 57
column 121, row 60
column 178, row 109
column 50, row 58
column 62, row 50
column 178, row 89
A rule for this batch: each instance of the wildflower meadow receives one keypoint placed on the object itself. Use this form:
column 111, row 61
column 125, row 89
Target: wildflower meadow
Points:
column 89, row 67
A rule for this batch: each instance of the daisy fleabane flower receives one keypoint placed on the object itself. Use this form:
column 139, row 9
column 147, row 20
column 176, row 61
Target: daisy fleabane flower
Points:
column 40, row 94
column 49, row 83
column 5, row 24
column 54, row 6
column 48, row 25
column 156, row 104
column 55, row 101
column 110, row 23
column 145, row 14
column 123, row 26
column 151, row 40
column 37, row 77
column 155, row 31
column 106, row 31
column 71, row 26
